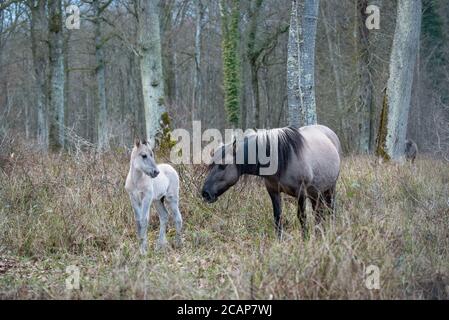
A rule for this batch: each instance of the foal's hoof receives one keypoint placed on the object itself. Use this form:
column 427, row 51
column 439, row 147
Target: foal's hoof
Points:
column 143, row 251
column 161, row 246
column 178, row 243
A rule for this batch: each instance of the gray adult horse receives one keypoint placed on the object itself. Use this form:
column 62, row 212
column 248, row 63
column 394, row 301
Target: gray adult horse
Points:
column 307, row 162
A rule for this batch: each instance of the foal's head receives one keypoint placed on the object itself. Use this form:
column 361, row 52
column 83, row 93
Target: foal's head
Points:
column 142, row 158
column 223, row 173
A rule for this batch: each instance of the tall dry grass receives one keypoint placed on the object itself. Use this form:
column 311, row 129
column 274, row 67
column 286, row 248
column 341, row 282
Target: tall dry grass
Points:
column 62, row 210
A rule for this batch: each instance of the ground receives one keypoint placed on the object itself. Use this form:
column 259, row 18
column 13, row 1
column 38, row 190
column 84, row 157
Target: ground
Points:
column 72, row 210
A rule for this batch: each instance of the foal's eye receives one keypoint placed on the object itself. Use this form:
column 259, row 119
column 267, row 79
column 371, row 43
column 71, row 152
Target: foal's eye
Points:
column 144, row 156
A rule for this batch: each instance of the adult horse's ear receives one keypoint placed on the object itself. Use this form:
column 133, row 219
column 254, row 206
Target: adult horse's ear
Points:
column 137, row 142
column 234, row 146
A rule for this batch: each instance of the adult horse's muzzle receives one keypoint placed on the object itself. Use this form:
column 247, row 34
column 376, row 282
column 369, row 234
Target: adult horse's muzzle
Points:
column 208, row 196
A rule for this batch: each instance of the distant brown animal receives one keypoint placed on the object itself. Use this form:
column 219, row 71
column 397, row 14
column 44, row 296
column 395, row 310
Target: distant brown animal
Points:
column 411, row 150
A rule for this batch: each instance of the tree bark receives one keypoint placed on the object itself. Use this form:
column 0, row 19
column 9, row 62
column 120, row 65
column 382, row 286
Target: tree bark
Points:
column 197, row 78
column 293, row 77
column 151, row 65
column 365, row 89
column 39, row 53
column 334, row 48
column 231, row 65
column 301, row 92
column 101, row 103
column 307, row 60
column 395, row 110
column 57, row 75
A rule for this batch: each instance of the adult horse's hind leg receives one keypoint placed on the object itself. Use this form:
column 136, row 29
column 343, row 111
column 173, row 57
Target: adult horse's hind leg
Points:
column 163, row 219
column 318, row 205
column 173, row 204
column 323, row 203
column 277, row 210
column 329, row 198
column 302, row 212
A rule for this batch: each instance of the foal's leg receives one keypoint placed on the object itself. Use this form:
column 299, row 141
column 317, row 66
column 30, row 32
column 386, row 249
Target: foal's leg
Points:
column 163, row 220
column 144, row 218
column 137, row 208
column 277, row 211
column 173, row 204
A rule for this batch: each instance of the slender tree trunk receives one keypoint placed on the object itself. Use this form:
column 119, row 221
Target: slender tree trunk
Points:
column 57, row 75
column 331, row 37
column 395, row 110
column 252, row 57
column 39, row 53
column 231, row 66
column 101, row 106
column 365, row 101
column 151, row 65
column 169, row 55
column 307, row 60
column 293, row 77
column 197, row 79
column 254, row 70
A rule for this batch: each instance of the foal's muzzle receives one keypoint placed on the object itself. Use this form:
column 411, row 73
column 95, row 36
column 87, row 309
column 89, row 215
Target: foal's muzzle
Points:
column 154, row 173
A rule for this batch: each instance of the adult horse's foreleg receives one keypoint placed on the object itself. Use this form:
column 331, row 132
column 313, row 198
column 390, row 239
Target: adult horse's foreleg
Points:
column 163, row 220
column 277, row 211
column 173, row 204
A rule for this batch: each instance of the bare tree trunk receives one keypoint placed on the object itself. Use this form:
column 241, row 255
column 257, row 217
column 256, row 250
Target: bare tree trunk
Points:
column 168, row 23
column 101, row 107
column 197, row 80
column 57, row 75
column 365, row 89
column 38, row 48
column 252, row 56
column 293, row 76
column 395, row 110
column 151, row 65
column 307, row 60
column 301, row 92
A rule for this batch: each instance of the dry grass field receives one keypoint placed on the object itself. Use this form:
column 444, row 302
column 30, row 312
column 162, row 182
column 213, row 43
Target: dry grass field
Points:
column 62, row 210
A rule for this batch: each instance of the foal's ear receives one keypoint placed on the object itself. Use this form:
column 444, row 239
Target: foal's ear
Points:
column 137, row 142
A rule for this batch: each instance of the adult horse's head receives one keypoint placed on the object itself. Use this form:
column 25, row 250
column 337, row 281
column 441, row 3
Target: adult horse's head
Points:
column 142, row 158
column 223, row 173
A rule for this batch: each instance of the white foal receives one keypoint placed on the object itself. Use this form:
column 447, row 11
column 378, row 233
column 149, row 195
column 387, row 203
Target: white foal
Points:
column 148, row 182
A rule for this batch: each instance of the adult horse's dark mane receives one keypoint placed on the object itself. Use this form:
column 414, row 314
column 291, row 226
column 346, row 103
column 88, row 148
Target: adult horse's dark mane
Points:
column 289, row 141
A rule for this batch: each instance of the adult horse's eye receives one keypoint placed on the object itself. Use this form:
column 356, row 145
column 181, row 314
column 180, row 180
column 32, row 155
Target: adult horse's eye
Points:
column 144, row 156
